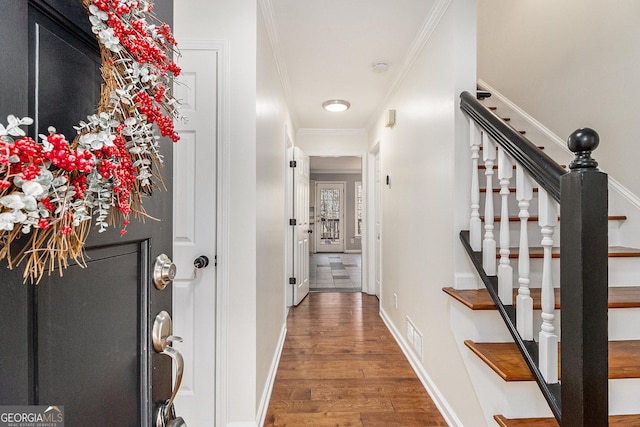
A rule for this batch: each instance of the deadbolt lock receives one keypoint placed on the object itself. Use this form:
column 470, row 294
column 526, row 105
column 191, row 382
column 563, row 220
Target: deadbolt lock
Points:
column 163, row 272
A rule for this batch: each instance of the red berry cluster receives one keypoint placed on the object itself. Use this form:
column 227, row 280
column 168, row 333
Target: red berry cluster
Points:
column 146, row 107
column 46, row 203
column 160, row 90
column 80, row 185
column 135, row 36
column 62, row 157
column 124, row 173
column 29, row 155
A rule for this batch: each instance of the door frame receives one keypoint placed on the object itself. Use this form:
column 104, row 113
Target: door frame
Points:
column 374, row 210
column 223, row 208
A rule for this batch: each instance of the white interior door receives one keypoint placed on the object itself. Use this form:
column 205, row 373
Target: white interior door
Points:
column 301, row 235
column 329, row 217
column 194, row 293
column 378, row 225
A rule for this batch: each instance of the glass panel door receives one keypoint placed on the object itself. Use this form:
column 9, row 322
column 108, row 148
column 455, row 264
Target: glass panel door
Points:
column 329, row 221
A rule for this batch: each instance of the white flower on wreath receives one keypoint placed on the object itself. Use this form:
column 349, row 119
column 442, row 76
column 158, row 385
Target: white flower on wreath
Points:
column 13, row 126
column 110, row 40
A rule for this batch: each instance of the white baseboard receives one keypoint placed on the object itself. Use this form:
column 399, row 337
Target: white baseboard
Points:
column 268, row 387
column 441, row 403
column 243, row 424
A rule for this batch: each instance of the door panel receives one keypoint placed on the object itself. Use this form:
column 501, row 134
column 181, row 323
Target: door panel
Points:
column 194, row 294
column 109, row 339
column 81, row 341
column 301, row 234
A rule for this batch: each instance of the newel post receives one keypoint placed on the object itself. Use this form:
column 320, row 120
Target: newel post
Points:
column 584, row 287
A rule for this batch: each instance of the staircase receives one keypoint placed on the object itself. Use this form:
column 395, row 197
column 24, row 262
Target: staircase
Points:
column 518, row 377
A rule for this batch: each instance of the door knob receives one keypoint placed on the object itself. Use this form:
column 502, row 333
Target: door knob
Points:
column 164, row 271
column 162, row 340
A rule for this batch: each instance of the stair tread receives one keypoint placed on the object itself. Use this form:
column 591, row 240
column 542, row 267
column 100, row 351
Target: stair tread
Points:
column 630, row 420
column 538, row 252
column 479, row 299
column 506, row 360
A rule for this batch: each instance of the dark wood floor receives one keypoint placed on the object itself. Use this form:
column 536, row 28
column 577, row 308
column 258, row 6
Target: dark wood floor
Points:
column 340, row 366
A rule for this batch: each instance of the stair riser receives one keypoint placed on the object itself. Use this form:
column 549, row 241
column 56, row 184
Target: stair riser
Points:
column 616, row 238
column 623, row 271
column 524, row 399
column 487, row 325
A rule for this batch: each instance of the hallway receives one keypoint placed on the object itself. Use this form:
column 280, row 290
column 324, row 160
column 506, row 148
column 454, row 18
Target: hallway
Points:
column 335, row 272
column 340, row 366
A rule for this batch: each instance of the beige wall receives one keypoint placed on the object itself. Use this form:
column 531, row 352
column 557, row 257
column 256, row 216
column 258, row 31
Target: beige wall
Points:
column 569, row 64
column 419, row 219
column 273, row 118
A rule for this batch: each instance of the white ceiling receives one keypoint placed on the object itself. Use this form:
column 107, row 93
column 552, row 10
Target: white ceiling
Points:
column 325, row 49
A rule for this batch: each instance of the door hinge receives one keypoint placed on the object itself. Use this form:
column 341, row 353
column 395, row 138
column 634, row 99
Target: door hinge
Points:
column 293, row 164
column 293, row 221
column 215, row 261
column 292, row 280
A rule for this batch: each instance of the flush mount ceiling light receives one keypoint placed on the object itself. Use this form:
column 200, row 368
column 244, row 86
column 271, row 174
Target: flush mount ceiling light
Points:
column 380, row 67
column 336, row 105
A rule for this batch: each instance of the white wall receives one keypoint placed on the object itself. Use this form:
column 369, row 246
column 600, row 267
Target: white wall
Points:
column 332, row 142
column 273, row 119
column 234, row 22
column 569, row 64
column 421, row 154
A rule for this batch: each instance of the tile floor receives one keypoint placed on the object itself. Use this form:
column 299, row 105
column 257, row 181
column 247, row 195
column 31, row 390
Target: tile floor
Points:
column 335, row 272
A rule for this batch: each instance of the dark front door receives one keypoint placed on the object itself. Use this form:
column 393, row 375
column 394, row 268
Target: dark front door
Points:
column 82, row 340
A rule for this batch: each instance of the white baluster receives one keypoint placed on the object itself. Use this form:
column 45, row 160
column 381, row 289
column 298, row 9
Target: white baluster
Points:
column 505, row 271
column 475, row 225
column 548, row 340
column 524, row 302
column 489, row 242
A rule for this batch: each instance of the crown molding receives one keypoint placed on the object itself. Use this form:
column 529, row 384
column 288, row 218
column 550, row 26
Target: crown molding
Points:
column 272, row 30
column 428, row 27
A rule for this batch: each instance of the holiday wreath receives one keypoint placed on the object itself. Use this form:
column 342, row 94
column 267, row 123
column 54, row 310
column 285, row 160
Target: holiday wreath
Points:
column 50, row 188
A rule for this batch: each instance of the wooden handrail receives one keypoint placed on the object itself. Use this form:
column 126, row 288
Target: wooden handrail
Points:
column 539, row 165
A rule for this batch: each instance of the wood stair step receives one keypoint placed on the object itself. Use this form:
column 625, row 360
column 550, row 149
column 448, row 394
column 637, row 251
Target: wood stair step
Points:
column 535, row 218
column 479, row 299
column 614, row 421
column 506, row 360
column 614, row 252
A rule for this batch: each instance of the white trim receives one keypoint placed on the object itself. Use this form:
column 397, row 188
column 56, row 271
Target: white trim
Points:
column 613, row 183
column 268, row 387
column 336, row 171
column 323, row 131
column 242, row 424
column 624, row 192
column 222, row 232
column 431, row 388
column 352, row 251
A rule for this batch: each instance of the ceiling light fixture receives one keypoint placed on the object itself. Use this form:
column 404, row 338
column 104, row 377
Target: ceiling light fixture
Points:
column 380, row 67
column 336, row 105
